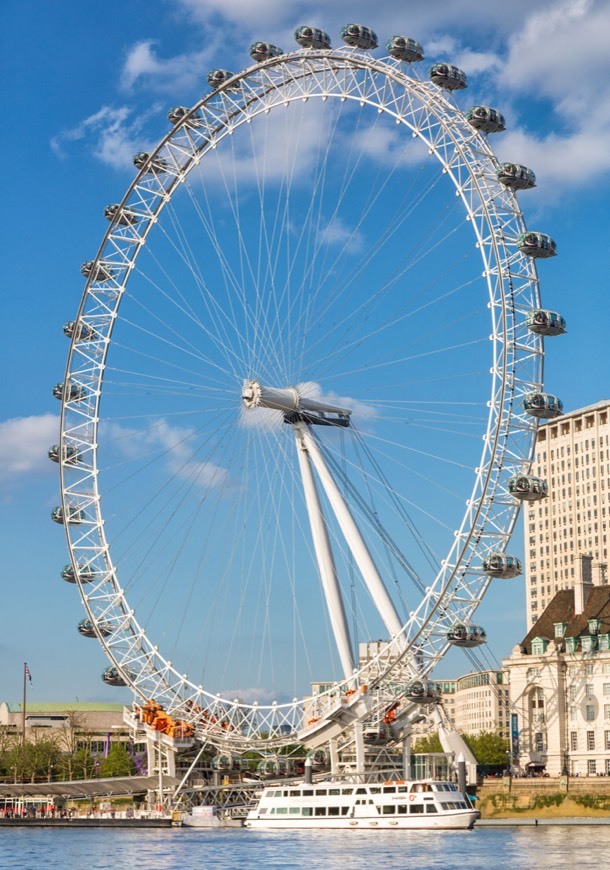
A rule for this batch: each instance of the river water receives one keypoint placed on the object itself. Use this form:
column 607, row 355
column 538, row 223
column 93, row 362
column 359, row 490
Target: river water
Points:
column 486, row 848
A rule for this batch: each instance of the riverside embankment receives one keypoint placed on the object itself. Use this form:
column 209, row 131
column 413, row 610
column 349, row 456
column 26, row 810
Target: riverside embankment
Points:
column 559, row 798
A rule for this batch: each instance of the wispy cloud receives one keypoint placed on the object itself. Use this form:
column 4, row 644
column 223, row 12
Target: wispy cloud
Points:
column 112, row 135
column 24, row 442
column 144, row 67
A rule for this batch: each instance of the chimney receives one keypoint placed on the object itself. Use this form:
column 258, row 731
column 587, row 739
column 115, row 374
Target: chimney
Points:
column 583, row 582
column 599, row 574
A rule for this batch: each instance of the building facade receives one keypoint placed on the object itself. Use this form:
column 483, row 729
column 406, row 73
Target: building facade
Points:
column 91, row 724
column 560, row 685
column 573, row 456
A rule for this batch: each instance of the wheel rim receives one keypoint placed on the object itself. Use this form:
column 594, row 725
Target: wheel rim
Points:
column 384, row 90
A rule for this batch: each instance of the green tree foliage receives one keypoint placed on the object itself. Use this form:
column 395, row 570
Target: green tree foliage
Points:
column 488, row 747
column 427, row 744
column 118, row 763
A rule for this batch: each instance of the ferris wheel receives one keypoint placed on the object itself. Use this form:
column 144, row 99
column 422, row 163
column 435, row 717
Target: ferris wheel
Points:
column 302, row 394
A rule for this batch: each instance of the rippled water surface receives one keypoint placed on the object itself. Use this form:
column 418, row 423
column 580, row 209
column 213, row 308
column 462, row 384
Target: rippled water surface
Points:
column 488, row 848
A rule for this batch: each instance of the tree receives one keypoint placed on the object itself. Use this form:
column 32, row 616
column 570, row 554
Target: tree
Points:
column 118, row 763
column 488, row 747
column 427, row 744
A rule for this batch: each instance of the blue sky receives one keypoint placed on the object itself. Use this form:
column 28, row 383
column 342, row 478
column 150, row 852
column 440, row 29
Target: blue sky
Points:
column 88, row 90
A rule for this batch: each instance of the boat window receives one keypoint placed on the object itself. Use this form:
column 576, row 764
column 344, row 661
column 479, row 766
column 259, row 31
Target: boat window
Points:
column 334, row 791
column 402, row 789
column 374, row 790
column 416, row 808
column 320, row 811
column 263, row 810
column 388, row 810
column 283, row 810
column 307, row 792
column 333, row 811
column 401, row 809
column 430, row 808
column 347, row 791
column 389, row 789
column 307, row 811
column 295, row 811
column 295, row 794
column 360, row 791
column 344, row 811
column 277, row 794
column 321, row 791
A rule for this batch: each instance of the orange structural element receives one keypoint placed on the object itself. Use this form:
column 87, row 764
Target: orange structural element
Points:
column 390, row 713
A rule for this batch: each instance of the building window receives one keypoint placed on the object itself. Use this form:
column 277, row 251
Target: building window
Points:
column 606, row 711
column 538, row 742
column 589, row 690
column 590, row 713
column 591, row 767
column 607, row 739
column 573, row 714
column 590, row 740
column 606, row 689
column 574, row 740
column 588, row 669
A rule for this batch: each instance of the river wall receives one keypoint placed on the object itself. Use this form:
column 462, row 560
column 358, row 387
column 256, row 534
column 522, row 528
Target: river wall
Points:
column 562, row 797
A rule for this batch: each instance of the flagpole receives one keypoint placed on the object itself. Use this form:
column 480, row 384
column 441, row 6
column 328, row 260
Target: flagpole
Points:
column 25, row 664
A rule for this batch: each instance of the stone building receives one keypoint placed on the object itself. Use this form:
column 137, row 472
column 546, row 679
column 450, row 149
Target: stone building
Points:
column 573, row 456
column 94, row 722
column 560, row 683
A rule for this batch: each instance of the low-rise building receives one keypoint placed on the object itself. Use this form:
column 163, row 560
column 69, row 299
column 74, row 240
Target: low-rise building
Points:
column 560, row 683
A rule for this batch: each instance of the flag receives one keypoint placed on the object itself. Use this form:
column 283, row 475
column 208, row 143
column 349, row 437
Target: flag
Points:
column 28, row 674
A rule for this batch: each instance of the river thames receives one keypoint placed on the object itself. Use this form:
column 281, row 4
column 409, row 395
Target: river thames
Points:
column 521, row 848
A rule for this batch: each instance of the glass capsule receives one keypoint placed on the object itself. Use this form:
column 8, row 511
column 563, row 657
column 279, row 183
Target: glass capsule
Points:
column 311, row 37
column 359, row 36
column 81, row 331
column 537, row 245
column 85, row 574
column 525, row 487
column 115, row 214
column 545, row 322
column 515, row 176
column 69, row 392
column 405, row 49
column 261, row 51
column 422, row 692
column 71, row 456
column 543, row 405
column 502, row 565
column 486, row 119
column 449, row 77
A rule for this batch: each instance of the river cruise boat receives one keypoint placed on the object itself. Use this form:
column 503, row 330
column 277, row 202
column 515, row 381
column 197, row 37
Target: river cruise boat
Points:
column 417, row 804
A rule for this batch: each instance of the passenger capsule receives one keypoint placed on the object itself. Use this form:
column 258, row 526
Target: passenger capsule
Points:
column 422, row 692
column 449, row 77
column 88, row 629
column 268, row 767
column 359, row 36
column 403, row 48
column 224, row 761
column 100, row 272
column 150, row 165
column 545, row 322
column 312, row 37
column 115, row 214
column 527, row 488
column 466, row 635
column 516, row 176
column 261, row 51
column 502, row 565
column 112, row 677
column 81, row 331
column 537, row 245
column 543, row 405
column 319, row 758
column 486, row 119
column 85, row 573
column 74, row 516
column 69, row 392
column 218, row 77
column 179, row 113
column 71, row 456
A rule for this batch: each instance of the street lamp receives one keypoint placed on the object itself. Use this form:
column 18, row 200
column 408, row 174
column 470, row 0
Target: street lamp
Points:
column 508, row 762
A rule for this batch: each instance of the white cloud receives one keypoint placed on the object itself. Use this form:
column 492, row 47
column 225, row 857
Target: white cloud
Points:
column 112, row 135
column 177, row 445
column 174, row 74
column 24, row 442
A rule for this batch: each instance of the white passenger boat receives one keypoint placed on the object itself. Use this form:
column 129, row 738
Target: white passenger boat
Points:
column 413, row 804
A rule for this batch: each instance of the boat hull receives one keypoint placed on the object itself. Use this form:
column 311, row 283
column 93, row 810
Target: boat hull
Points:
column 454, row 822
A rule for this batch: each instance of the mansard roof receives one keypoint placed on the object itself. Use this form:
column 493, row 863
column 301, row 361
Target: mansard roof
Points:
column 561, row 609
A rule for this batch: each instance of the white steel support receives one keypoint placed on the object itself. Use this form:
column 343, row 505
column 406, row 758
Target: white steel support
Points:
column 324, row 556
column 354, row 539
